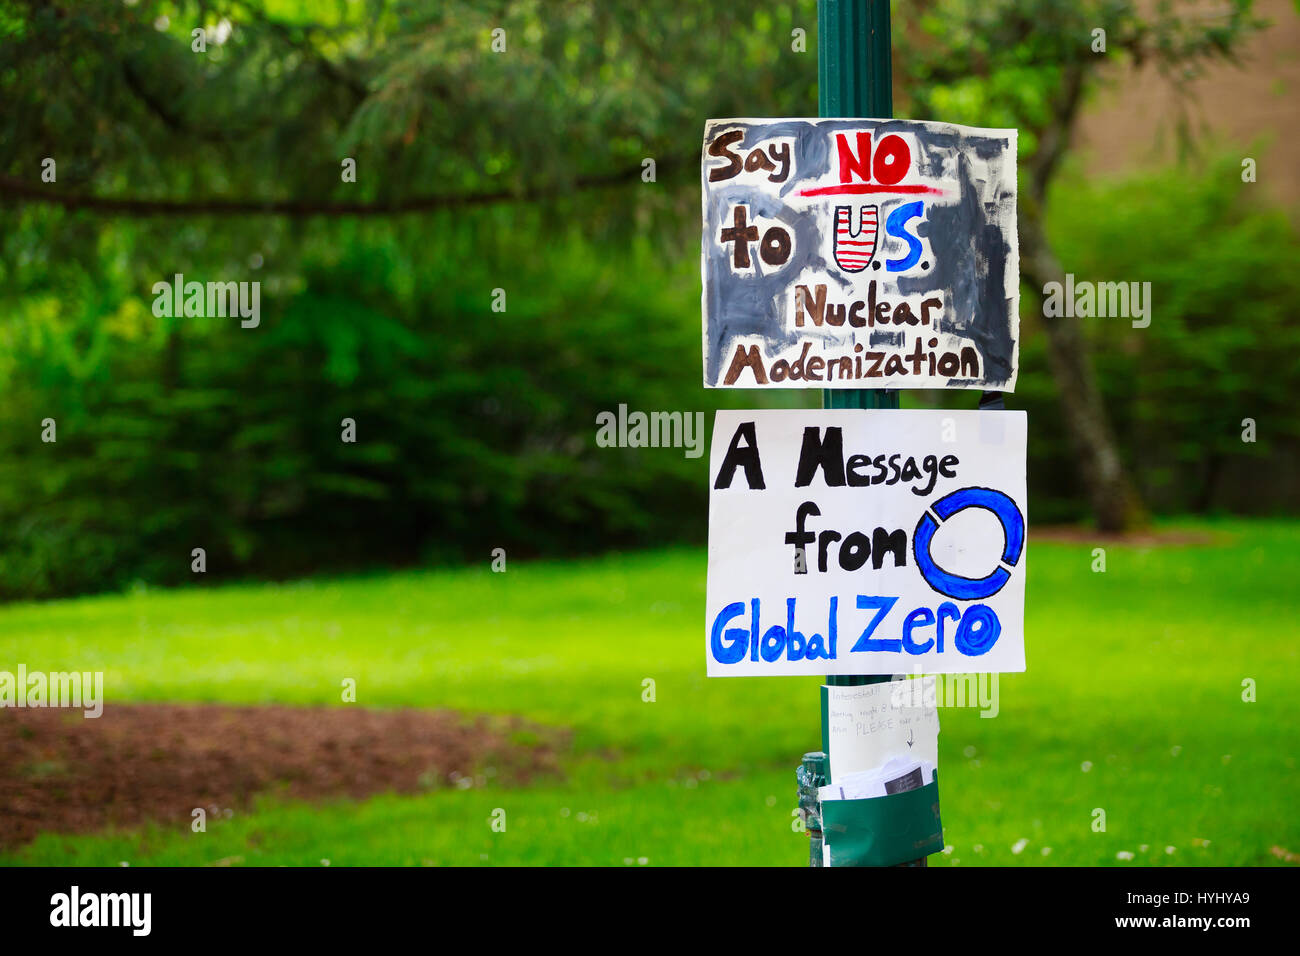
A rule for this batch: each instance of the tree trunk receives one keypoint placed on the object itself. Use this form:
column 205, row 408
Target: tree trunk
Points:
column 1111, row 495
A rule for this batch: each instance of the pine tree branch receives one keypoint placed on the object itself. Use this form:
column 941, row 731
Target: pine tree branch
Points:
column 16, row 191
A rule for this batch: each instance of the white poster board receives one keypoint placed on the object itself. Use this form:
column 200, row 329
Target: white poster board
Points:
column 856, row 541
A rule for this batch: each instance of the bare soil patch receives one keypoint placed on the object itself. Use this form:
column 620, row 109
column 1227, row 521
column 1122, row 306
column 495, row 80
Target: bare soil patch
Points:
column 1145, row 538
column 157, row 762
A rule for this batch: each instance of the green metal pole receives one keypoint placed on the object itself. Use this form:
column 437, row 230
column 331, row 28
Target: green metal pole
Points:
column 854, row 79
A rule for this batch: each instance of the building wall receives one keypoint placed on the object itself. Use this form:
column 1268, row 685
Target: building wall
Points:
column 1250, row 107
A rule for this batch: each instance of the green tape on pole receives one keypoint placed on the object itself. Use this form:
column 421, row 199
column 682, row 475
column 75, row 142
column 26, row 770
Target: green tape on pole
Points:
column 883, row 831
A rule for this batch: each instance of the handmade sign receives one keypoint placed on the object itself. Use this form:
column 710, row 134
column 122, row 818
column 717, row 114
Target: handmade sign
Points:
column 859, row 254
column 857, row 541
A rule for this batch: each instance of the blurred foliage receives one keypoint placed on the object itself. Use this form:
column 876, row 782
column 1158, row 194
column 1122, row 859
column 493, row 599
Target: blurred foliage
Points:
column 1223, row 345
column 476, row 429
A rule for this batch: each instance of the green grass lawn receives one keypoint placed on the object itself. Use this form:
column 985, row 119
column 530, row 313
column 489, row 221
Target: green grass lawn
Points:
column 1132, row 704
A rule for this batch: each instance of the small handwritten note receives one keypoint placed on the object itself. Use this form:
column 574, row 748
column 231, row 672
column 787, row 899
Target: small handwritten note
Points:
column 872, row 723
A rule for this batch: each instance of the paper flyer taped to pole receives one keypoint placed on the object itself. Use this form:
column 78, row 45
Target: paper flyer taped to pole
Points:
column 868, row 724
column 857, row 541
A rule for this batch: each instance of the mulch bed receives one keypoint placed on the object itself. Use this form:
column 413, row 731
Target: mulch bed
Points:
column 157, row 762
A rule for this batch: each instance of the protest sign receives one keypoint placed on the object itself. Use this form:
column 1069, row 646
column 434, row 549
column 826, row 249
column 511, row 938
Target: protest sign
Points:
column 858, row 541
column 859, row 254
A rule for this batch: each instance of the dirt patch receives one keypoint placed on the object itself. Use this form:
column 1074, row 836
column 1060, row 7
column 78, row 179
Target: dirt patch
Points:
column 157, row 762
column 1147, row 538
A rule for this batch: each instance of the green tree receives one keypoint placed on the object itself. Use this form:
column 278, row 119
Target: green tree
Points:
column 1030, row 64
column 173, row 154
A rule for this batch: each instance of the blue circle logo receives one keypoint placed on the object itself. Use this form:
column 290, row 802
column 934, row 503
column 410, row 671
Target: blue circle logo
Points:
column 1013, row 533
